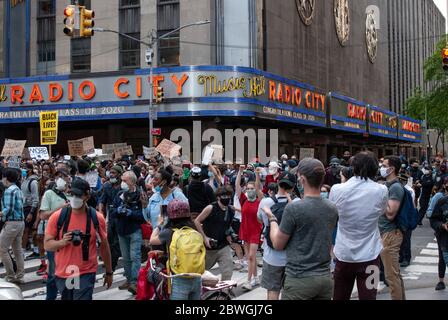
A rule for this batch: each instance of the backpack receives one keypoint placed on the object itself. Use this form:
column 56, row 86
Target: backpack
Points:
column 277, row 209
column 64, row 222
column 407, row 217
column 29, row 184
column 186, row 252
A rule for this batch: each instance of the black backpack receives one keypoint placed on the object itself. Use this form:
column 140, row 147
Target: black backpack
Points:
column 277, row 210
column 64, row 222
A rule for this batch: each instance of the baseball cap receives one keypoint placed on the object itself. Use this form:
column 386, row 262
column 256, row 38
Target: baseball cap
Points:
column 118, row 169
column 196, row 172
column 80, row 187
column 178, row 209
column 287, row 178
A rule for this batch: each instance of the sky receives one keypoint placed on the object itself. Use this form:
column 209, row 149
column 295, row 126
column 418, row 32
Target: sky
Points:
column 442, row 7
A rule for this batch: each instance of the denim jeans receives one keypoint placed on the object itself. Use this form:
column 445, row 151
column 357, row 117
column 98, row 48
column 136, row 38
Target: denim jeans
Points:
column 52, row 289
column 84, row 292
column 186, row 289
column 131, row 251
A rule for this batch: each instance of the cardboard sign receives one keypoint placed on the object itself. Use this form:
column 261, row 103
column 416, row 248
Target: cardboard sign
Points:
column 48, row 127
column 13, row 148
column 150, row 152
column 88, row 145
column 14, row 162
column 81, row 147
column 168, row 149
column 39, row 153
column 123, row 151
column 218, row 153
column 208, row 154
column 306, row 153
column 108, row 148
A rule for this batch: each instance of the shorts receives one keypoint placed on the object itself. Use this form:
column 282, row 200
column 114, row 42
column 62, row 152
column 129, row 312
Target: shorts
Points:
column 26, row 211
column 41, row 227
column 272, row 277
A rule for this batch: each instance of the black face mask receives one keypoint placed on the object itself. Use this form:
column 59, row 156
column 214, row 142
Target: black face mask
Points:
column 224, row 201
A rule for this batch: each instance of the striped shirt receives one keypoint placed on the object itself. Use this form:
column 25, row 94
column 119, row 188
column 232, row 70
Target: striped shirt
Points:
column 12, row 204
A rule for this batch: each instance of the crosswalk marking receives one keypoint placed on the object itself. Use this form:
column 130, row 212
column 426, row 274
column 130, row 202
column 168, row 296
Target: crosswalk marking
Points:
column 432, row 246
column 422, row 268
column 420, row 259
column 430, row 252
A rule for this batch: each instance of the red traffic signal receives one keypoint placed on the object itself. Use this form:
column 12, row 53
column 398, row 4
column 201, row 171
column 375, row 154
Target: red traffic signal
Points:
column 69, row 21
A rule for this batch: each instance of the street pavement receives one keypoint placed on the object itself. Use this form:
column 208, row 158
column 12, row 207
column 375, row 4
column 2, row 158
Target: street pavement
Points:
column 420, row 277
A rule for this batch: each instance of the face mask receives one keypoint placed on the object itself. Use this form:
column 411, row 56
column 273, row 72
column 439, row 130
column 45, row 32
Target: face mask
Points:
column 225, row 201
column 273, row 171
column 383, row 172
column 210, row 174
column 113, row 180
column 76, row 203
column 60, row 184
column 158, row 188
column 251, row 195
column 425, row 171
column 324, row 195
column 24, row 173
column 124, row 186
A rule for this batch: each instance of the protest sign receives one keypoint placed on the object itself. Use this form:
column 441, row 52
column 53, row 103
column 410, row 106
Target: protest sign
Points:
column 39, row 153
column 13, row 148
column 108, row 148
column 88, row 145
column 150, row 152
column 123, row 151
column 14, row 162
column 208, row 154
column 75, row 148
column 306, row 153
column 168, row 149
column 218, row 153
column 48, row 127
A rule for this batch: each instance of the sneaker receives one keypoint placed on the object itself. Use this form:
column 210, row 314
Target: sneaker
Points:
column 124, row 286
column 132, row 289
column 32, row 256
column 255, row 282
column 247, row 286
column 440, row 286
column 42, row 269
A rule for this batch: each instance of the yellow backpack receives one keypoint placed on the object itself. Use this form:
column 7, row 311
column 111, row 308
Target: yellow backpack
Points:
column 186, row 252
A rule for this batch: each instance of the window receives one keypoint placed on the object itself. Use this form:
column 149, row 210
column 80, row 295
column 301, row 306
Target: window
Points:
column 130, row 25
column 46, row 31
column 168, row 19
column 81, row 48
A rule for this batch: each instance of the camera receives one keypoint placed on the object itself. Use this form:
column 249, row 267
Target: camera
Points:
column 213, row 244
column 77, row 237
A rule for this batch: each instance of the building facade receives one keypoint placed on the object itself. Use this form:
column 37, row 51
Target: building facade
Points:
column 319, row 71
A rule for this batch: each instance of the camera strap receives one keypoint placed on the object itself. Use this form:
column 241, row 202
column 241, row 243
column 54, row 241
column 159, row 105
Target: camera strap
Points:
column 86, row 238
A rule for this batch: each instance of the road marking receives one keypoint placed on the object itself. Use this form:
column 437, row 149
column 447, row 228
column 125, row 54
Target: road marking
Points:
column 422, row 268
column 420, row 259
column 430, row 252
column 432, row 246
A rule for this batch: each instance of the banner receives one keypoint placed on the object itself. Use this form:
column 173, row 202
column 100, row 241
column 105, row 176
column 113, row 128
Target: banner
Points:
column 39, row 153
column 168, row 149
column 48, row 127
column 13, row 148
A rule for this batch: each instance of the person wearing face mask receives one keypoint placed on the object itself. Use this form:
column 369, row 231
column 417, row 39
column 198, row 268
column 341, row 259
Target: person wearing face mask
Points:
column 199, row 194
column 251, row 228
column 392, row 236
column 128, row 214
column 214, row 223
column 12, row 216
column 163, row 195
column 345, row 162
column 416, row 175
column 427, row 184
column 67, row 226
column 284, row 161
column 325, row 191
column 52, row 201
column 30, row 191
column 332, row 174
column 106, row 205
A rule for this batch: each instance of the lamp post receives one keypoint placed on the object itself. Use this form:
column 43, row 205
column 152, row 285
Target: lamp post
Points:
column 148, row 57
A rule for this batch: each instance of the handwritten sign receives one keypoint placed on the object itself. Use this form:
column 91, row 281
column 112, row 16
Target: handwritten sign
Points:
column 39, row 153
column 88, row 145
column 13, row 148
column 150, row 152
column 218, row 153
column 208, row 154
column 14, row 162
column 81, row 147
column 108, row 148
column 123, row 151
column 306, row 153
column 48, row 127
column 168, row 149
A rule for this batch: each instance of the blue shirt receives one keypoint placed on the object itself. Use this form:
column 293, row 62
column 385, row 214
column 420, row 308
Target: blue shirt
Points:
column 12, row 204
column 432, row 204
column 155, row 203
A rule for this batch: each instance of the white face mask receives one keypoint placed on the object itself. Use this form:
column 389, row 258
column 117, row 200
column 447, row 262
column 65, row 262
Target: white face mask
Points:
column 124, row 186
column 425, row 171
column 76, row 203
column 383, row 172
column 61, row 184
column 273, row 170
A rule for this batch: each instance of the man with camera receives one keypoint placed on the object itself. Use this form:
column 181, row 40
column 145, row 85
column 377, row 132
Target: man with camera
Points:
column 199, row 194
column 72, row 233
column 214, row 223
column 128, row 213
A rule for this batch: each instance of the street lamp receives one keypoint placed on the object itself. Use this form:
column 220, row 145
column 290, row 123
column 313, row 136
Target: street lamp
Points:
column 148, row 56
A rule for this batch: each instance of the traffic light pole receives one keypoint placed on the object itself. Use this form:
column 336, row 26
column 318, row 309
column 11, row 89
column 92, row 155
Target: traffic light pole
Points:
column 149, row 55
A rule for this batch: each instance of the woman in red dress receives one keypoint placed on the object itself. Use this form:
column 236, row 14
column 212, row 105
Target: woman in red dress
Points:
column 250, row 229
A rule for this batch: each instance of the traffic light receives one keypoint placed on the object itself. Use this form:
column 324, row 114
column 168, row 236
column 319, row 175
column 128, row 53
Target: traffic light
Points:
column 86, row 22
column 69, row 20
column 159, row 95
column 445, row 59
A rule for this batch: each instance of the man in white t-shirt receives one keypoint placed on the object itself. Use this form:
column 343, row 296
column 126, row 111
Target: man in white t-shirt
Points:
column 274, row 261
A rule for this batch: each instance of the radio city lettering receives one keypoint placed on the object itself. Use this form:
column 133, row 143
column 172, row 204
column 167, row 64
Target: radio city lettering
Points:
column 356, row 112
column 376, row 117
column 3, row 96
column 411, row 126
column 289, row 95
column 250, row 87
